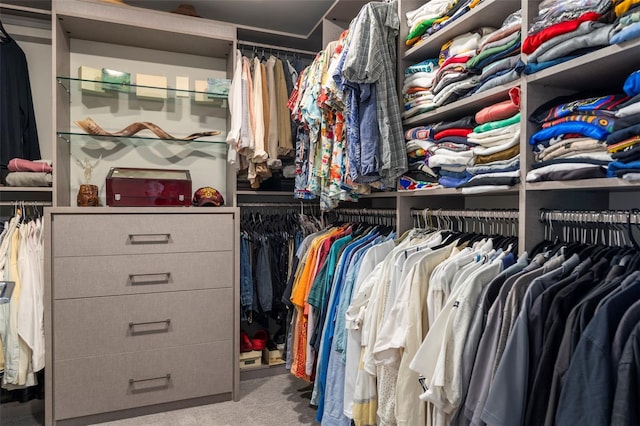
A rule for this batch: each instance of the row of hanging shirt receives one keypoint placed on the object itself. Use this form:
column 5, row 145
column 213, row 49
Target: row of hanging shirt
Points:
column 261, row 127
column 349, row 134
column 355, row 309
column 270, row 237
column 334, row 291
column 450, row 328
column 22, row 319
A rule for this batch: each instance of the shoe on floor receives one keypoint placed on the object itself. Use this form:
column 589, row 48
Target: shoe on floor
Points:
column 245, row 342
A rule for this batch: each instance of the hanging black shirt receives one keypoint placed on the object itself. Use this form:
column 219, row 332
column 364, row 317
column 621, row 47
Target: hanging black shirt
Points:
column 18, row 134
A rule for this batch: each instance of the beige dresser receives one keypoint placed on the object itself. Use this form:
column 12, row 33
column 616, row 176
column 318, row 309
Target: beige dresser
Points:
column 142, row 310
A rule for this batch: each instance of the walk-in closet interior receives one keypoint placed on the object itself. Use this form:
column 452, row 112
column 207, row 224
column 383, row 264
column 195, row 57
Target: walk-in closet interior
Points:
column 426, row 211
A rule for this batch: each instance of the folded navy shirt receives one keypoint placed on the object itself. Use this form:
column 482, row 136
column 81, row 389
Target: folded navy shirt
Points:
column 569, row 160
column 623, row 134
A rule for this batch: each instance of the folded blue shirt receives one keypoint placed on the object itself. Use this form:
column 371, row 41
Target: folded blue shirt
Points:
column 455, row 175
column 617, row 165
column 632, row 84
column 585, row 129
column 450, row 182
column 532, row 68
column 627, row 33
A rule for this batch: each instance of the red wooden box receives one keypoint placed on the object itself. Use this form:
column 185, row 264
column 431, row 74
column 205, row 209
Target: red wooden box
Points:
column 132, row 187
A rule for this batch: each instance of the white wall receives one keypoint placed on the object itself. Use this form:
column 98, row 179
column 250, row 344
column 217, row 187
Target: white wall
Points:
column 178, row 116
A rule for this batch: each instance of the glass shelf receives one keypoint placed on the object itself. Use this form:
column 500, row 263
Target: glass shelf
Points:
column 70, row 137
column 75, row 86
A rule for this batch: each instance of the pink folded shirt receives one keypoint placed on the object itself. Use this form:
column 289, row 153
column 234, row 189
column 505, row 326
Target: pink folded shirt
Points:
column 501, row 110
column 22, row 165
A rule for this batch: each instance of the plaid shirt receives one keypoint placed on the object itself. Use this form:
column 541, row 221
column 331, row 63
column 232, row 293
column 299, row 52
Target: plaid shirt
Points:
column 371, row 59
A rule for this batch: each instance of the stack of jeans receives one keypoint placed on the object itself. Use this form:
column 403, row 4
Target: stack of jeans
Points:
column 566, row 29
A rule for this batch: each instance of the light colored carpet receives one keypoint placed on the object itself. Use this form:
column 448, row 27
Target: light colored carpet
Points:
column 271, row 401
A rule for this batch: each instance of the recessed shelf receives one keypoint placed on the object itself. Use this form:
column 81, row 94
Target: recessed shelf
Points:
column 72, row 137
column 602, row 184
column 488, row 13
column 74, row 86
column 434, row 192
column 464, row 106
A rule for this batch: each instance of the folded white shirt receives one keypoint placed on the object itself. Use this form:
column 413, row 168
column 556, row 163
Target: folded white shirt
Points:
column 438, row 160
column 487, row 150
column 507, row 130
column 536, row 174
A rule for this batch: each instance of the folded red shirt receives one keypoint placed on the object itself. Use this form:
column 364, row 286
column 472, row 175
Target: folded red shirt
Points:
column 452, row 132
column 532, row 42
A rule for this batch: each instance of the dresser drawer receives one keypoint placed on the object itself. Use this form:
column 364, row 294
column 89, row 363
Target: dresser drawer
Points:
column 107, row 325
column 96, row 385
column 110, row 234
column 147, row 273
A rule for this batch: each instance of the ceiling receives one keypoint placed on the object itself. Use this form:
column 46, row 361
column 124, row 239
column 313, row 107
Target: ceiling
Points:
column 290, row 23
column 298, row 17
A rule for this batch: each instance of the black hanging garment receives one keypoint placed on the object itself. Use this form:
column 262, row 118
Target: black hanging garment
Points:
column 18, row 133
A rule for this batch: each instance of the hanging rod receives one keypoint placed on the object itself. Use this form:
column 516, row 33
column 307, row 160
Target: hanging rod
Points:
column 278, row 204
column 604, row 217
column 26, row 203
column 472, row 214
column 365, row 212
column 276, row 48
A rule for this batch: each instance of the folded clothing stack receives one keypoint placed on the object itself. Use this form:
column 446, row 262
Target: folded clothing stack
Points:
column 454, row 80
column 497, row 150
column 571, row 142
column 418, row 82
column 438, row 154
column 419, row 175
column 497, row 59
column 452, row 152
column 433, row 16
column 627, row 23
column 566, row 29
column 624, row 143
column 29, row 173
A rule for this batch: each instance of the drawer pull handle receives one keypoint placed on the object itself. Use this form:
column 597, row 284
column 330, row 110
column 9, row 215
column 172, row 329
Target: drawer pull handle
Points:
column 167, row 377
column 149, row 238
column 135, row 324
column 157, row 278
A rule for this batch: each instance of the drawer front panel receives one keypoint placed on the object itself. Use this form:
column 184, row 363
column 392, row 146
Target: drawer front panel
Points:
column 96, row 385
column 108, row 325
column 115, row 275
column 109, row 234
